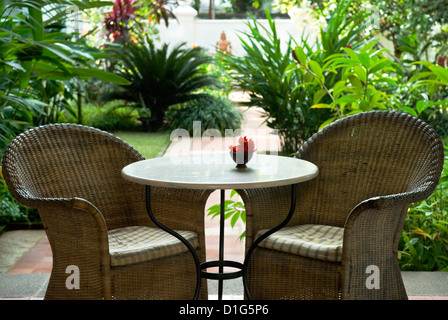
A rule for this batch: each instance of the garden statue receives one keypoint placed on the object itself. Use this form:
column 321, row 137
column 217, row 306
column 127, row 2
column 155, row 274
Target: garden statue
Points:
column 223, row 44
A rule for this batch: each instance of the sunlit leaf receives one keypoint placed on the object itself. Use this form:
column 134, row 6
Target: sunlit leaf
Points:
column 409, row 110
column 321, row 106
column 100, row 74
column 379, row 66
column 365, row 60
column 301, row 56
column 421, row 232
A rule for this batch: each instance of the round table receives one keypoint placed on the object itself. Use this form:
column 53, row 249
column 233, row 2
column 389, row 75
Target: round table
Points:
column 218, row 171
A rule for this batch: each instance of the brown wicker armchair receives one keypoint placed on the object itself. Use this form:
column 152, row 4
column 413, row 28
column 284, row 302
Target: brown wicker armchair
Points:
column 343, row 238
column 72, row 175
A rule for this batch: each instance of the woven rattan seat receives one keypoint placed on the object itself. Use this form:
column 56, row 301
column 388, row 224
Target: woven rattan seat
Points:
column 308, row 240
column 72, row 175
column 372, row 165
column 136, row 244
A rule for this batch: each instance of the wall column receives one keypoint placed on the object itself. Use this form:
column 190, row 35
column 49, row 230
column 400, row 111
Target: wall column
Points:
column 186, row 16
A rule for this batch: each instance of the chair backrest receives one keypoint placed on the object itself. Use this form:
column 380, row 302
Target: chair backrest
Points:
column 366, row 155
column 69, row 160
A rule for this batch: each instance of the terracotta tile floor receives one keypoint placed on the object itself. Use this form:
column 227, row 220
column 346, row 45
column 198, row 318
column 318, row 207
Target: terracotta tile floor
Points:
column 38, row 260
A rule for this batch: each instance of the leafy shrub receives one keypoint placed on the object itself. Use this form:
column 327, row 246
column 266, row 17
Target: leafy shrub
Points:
column 267, row 72
column 263, row 72
column 213, row 113
column 361, row 85
column 41, row 67
column 11, row 211
column 161, row 77
column 110, row 117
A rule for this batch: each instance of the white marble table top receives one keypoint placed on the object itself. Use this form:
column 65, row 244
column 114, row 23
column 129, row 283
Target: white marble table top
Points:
column 218, row 171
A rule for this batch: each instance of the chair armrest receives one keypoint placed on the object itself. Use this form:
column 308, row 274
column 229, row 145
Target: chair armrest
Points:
column 372, row 232
column 415, row 194
column 75, row 203
column 382, row 202
column 374, row 216
column 371, row 235
column 370, row 210
column 78, row 236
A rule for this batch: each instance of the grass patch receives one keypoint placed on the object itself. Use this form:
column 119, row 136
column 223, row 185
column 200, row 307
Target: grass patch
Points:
column 149, row 144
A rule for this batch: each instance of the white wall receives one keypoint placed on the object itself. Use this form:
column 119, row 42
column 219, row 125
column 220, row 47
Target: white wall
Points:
column 205, row 33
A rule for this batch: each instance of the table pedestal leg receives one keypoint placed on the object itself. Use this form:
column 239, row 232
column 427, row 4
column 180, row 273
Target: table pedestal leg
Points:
column 178, row 236
column 221, row 242
column 221, row 262
column 264, row 236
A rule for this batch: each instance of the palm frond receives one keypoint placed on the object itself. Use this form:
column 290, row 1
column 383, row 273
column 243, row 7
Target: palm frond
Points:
column 163, row 76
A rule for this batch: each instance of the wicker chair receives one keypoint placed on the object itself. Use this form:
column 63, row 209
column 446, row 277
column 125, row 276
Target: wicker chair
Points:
column 371, row 167
column 72, row 175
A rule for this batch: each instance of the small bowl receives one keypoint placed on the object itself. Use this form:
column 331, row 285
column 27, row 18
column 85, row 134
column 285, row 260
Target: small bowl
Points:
column 241, row 158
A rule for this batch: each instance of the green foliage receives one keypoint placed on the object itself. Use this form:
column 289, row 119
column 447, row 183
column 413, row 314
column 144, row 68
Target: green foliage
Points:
column 283, row 91
column 41, row 68
column 410, row 26
column 368, row 79
column 161, row 77
column 213, row 112
column 434, row 78
column 361, row 84
column 264, row 72
column 343, row 29
column 429, row 87
column 233, row 210
column 111, row 116
column 424, row 241
column 11, row 211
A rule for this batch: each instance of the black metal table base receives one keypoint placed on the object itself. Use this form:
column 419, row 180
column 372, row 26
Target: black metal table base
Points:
column 222, row 276
column 221, row 263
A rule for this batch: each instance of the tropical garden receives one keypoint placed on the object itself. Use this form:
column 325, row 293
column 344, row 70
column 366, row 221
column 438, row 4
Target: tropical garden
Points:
column 369, row 55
